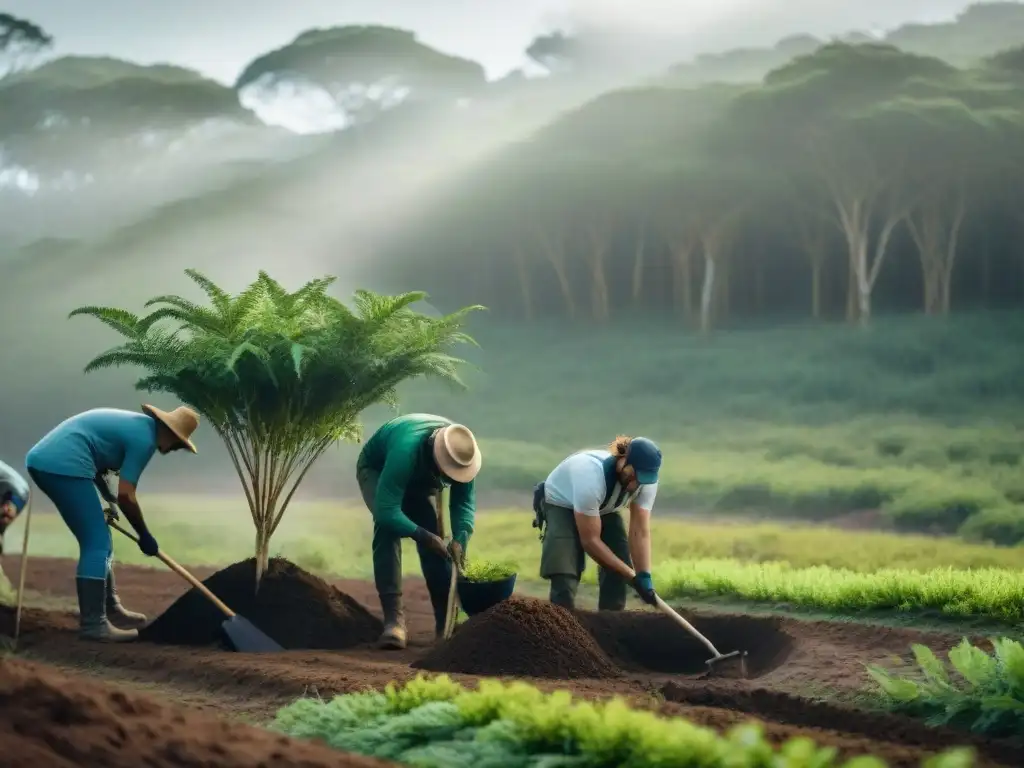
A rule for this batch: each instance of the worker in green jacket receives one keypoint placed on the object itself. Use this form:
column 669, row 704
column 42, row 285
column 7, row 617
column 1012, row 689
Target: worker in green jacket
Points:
column 401, row 471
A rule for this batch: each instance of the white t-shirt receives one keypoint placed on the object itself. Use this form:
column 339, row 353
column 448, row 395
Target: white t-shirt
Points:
column 578, row 483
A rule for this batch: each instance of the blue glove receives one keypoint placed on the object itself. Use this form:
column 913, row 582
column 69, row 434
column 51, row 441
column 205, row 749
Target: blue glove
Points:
column 644, row 586
column 148, row 544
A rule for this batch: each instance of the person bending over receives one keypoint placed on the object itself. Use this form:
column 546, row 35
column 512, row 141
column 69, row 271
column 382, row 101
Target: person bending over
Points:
column 581, row 504
column 401, row 471
column 70, row 464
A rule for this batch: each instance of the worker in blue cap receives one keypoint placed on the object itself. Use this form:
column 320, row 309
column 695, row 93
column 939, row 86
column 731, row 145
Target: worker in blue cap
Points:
column 579, row 512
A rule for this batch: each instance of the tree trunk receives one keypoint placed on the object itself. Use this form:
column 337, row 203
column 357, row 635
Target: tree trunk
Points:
column 814, row 238
column 855, row 217
column 638, row 265
column 262, row 555
column 554, row 250
column 851, row 293
column 707, row 292
column 935, row 231
column 599, row 241
column 682, row 279
column 524, row 284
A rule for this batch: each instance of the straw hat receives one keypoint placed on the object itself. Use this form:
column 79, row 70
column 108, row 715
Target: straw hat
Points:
column 182, row 421
column 457, row 454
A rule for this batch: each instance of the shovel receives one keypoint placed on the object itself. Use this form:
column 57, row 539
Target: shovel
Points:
column 242, row 634
column 716, row 656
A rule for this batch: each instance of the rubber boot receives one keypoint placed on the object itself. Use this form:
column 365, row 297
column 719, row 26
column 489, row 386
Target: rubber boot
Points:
column 93, row 624
column 393, row 637
column 118, row 615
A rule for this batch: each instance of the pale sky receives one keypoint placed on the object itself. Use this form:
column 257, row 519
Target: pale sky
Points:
column 219, row 37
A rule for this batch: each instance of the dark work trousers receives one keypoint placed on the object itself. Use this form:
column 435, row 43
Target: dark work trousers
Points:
column 419, row 506
column 562, row 558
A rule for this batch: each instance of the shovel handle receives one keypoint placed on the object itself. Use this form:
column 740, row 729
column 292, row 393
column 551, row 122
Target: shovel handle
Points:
column 180, row 571
column 667, row 610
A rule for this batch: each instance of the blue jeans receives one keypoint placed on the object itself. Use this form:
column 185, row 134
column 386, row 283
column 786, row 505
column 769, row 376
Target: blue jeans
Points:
column 79, row 506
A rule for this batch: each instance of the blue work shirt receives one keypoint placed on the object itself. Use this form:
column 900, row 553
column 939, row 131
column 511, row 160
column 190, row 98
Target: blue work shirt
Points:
column 12, row 482
column 95, row 442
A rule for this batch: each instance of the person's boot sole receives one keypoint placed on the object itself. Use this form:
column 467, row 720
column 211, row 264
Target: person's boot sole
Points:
column 126, row 622
column 125, row 636
column 392, row 643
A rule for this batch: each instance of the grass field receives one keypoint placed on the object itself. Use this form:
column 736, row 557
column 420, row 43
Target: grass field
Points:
column 919, row 417
column 810, row 568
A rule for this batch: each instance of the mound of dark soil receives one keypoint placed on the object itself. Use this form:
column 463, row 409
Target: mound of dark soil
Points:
column 296, row 608
column 57, row 721
column 642, row 641
column 525, row 638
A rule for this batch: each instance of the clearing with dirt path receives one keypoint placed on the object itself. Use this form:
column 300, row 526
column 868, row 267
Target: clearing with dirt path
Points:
column 794, row 666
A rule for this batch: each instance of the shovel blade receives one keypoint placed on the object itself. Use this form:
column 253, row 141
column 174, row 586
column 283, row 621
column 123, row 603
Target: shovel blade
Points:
column 735, row 656
column 245, row 637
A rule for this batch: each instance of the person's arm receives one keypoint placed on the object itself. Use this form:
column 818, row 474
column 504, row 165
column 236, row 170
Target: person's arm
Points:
column 137, row 455
column 588, row 489
column 640, row 528
column 128, row 503
column 391, row 485
column 462, row 502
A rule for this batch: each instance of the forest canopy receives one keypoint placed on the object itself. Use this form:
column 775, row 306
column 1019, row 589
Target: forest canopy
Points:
column 846, row 177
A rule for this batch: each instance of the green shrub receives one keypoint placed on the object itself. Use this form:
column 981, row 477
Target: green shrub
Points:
column 435, row 723
column 1001, row 525
column 484, row 570
column 990, row 593
column 985, row 695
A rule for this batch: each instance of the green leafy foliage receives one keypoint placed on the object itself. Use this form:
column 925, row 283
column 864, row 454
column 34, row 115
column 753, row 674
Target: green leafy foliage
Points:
column 281, row 376
column 983, row 692
column 985, row 592
column 430, row 723
column 484, row 570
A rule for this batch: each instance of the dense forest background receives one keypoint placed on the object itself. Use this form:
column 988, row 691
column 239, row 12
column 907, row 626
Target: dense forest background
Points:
column 801, row 266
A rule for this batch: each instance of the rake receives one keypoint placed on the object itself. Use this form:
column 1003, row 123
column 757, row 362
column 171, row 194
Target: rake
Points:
column 716, row 657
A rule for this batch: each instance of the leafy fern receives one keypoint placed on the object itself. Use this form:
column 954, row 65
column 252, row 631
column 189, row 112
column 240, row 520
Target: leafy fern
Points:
column 985, row 693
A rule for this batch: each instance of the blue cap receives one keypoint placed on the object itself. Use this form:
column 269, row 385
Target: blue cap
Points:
column 645, row 458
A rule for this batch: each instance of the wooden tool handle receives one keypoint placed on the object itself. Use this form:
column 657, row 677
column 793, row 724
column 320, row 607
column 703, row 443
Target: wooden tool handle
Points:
column 667, row 610
column 180, row 571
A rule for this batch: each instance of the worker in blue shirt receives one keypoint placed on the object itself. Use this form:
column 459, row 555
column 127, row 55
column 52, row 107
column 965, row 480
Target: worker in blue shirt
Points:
column 69, row 465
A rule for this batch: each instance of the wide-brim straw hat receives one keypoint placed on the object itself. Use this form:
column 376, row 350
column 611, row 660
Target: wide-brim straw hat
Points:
column 182, row 421
column 457, row 454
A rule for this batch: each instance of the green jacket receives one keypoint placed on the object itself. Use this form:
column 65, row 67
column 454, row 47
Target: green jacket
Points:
column 399, row 451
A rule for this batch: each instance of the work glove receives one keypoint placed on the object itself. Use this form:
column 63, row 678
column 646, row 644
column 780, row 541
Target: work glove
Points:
column 432, row 542
column 148, row 544
column 457, row 554
column 644, row 586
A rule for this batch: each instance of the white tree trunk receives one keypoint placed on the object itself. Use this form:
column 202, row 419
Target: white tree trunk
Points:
column 707, row 292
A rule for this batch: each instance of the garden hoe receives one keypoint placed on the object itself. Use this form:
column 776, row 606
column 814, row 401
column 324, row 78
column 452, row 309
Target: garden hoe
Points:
column 453, row 605
column 24, row 568
column 717, row 657
column 242, row 634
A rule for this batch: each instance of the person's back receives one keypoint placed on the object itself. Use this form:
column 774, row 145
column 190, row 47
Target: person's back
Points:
column 92, row 442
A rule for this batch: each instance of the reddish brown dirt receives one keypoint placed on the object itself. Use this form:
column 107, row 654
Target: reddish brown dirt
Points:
column 295, row 608
column 809, row 659
column 522, row 637
column 53, row 720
